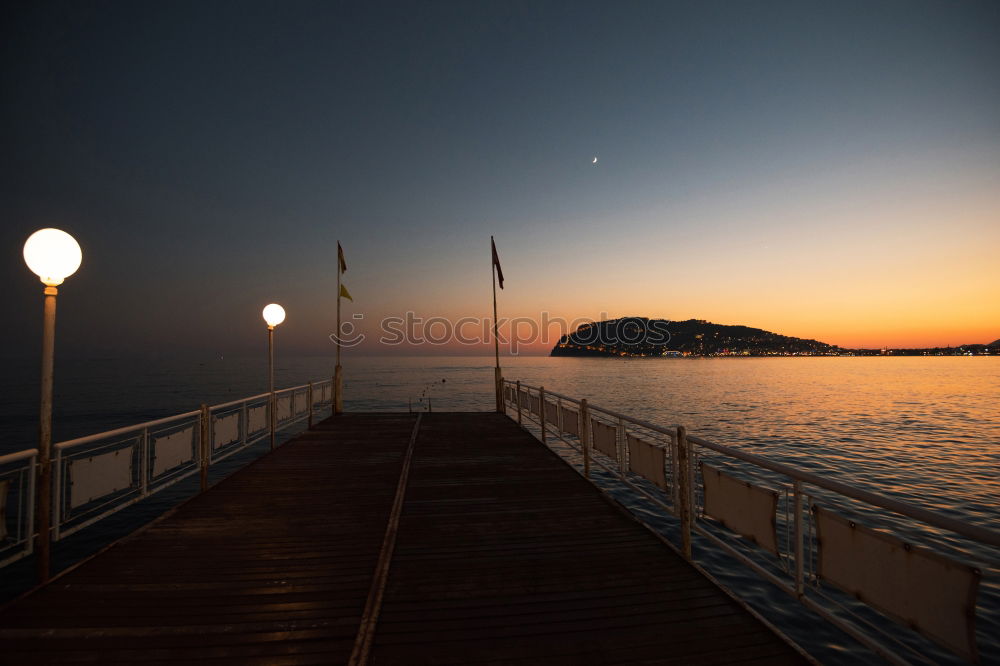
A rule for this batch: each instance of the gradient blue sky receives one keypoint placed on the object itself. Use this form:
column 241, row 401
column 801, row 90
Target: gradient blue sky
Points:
column 825, row 170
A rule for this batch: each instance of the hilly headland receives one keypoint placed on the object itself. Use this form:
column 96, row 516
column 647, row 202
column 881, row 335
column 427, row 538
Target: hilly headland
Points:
column 645, row 337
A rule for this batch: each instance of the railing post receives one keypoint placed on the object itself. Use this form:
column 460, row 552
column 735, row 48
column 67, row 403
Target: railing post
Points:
column 517, row 399
column 684, row 489
column 204, row 444
column 144, row 463
column 429, row 410
column 244, row 424
column 60, row 497
column 309, row 399
column 622, row 447
column 503, row 401
column 585, row 436
column 541, row 410
column 675, row 496
column 798, row 536
column 31, row 500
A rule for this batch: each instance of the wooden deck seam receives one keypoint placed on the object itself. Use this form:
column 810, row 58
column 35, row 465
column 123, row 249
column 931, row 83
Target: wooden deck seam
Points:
column 369, row 617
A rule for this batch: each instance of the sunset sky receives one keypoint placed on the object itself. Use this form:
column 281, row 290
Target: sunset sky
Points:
column 828, row 171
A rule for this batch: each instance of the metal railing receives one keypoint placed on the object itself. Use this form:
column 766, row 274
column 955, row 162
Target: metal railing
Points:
column 98, row 475
column 17, row 505
column 668, row 467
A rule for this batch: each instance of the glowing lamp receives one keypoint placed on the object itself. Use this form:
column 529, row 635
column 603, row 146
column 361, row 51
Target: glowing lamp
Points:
column 274, row 314
column 52, row 255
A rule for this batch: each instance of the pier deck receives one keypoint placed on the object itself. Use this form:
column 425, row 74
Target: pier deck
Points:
column 497, row 552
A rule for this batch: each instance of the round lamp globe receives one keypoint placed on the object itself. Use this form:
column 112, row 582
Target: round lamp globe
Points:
column 53, row 255
column 274, row 314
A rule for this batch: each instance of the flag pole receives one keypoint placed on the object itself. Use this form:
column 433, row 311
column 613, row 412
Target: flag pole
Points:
column 338, row 377
column 497, row 377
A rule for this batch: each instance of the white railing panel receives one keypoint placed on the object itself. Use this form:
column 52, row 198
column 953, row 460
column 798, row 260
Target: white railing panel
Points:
column 551, row 412
column 742, row 507
column 301, row 402
column 647, row 460
column 170, row 451
column 919, row 588
column 604, row 438
column 257, row 418
column 283, row 408
column 225, row 429
column 570, row 421
column 92, row 478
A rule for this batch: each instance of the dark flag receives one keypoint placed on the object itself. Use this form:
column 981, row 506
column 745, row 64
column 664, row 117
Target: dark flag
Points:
column 340, row 257
column 496, row 262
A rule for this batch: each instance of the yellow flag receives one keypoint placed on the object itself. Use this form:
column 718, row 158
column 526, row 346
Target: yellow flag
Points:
column 345, row 294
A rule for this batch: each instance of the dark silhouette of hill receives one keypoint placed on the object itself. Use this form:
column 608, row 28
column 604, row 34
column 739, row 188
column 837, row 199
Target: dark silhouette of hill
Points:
column 641, row 336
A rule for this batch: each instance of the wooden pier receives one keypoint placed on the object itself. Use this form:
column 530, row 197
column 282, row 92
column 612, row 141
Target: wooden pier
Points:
column 378, row 538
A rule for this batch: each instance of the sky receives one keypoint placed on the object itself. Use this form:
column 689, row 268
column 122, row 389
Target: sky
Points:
column 822, row 170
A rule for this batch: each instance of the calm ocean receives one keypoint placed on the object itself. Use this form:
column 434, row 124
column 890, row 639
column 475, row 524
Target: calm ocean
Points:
column 921, row 429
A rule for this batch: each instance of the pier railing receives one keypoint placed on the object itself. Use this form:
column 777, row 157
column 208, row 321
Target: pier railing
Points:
column 17, row 506
column 888, row 573
column 98, row 475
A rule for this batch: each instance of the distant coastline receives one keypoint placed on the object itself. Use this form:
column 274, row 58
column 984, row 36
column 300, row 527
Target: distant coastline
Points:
column 642, row 337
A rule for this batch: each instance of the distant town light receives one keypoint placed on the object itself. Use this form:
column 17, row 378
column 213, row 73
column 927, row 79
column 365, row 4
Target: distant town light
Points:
column 53, row 255
column 274, row 314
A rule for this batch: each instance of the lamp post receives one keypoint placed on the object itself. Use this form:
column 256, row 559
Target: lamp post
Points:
column 53, row 256
column 274, row 314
